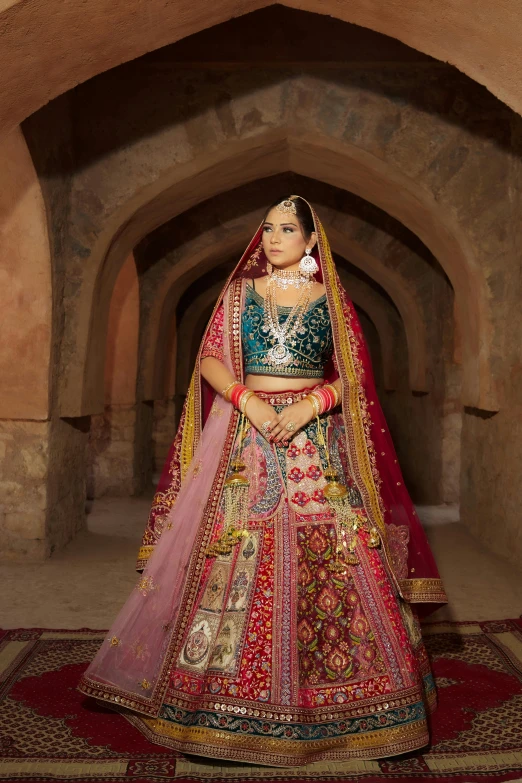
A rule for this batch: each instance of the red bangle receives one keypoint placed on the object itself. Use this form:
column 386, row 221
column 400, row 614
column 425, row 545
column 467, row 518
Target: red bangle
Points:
column 331, row 396
column 326, row 398
column 236, row 393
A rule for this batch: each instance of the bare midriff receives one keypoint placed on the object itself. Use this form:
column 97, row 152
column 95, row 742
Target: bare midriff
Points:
column 278, row 383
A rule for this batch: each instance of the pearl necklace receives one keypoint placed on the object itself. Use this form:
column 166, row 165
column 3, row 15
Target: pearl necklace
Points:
column 280, row 354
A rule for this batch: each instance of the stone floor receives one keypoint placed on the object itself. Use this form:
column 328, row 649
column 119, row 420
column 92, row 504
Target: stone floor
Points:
column 85, row 585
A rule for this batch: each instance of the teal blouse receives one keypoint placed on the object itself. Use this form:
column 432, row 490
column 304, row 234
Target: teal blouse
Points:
column 309, row 351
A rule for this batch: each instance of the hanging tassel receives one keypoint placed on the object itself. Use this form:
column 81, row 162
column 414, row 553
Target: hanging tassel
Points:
column 374, row 539
column 236, row 505
column 347, row 521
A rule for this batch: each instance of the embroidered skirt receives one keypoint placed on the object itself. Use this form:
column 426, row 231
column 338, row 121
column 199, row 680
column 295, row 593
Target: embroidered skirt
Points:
column 285, row 660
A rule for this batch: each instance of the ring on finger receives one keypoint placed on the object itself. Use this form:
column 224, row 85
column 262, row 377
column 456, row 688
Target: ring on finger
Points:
column 265, row 427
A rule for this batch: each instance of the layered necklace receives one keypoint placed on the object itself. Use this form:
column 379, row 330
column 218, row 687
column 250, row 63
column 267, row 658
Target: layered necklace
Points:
column 283, row 333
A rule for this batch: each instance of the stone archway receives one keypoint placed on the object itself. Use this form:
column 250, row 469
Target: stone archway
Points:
column 25, row 276
column 210, row 249
column 190, row 328
column 432, row 471
column 69, row 48
column 193, row 322
column 342, row 165
column 112, row 436
column 362, row 296
column 25, row 357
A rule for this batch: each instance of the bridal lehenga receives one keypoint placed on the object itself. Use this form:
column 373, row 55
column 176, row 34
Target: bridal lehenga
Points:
column 282, row 647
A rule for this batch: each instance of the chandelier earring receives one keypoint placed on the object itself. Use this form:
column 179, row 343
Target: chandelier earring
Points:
column 269, row 268
column 308, row 265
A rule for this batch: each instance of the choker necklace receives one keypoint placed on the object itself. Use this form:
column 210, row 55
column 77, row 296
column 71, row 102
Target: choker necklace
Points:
column 283, row 278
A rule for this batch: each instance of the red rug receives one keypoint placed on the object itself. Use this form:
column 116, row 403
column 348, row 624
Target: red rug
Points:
column 48, row 730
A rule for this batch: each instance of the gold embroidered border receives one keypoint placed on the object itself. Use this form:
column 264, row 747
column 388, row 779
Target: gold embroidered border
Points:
column 188, row 437
column 198, row 559
column 423, row 590
column 284, row 752
column 370, row 705
column 364, row 465
column 354, row 399
column 145, row 552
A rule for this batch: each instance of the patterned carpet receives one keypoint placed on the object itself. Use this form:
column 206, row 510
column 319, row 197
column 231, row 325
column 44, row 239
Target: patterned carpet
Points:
column 50, row 731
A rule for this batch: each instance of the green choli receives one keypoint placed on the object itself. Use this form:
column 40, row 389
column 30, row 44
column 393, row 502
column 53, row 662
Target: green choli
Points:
column 309, row 351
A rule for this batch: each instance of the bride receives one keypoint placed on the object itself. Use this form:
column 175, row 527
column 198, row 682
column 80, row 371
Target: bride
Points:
column 283, row 566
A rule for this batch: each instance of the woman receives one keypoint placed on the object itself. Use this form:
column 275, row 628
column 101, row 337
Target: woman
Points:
column 283, row 565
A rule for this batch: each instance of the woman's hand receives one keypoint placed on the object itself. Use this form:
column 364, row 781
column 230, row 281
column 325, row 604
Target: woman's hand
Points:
column 300, row 413
column 258, row 412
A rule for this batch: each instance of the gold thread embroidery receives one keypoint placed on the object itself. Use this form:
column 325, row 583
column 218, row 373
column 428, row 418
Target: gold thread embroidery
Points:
column 145, row 552
column 146, row 585
column 140, row 649
column 423, row 590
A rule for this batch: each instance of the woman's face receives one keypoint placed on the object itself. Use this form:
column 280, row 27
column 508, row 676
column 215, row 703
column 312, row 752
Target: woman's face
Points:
column 283, row 240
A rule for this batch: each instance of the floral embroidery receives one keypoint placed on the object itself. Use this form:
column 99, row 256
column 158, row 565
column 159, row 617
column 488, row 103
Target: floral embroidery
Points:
column 309, row 448
column 300, row 499
column 114, row 641
column 140, row 650
column 146, row 585
column 293, row 452
column 398, row 537
column 213, row 345
column 318, row 496
column 296, row 474
column 314, row 472
column 335, row 640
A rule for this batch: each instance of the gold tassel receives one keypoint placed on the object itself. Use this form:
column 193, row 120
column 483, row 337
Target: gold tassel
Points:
column 236, row 504
column 374, row 539
column 347, row 521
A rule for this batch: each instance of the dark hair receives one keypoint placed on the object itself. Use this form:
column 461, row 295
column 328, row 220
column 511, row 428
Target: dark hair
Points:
column 304, row 213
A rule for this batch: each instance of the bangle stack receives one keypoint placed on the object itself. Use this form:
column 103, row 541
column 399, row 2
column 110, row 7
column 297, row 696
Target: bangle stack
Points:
column 226, row 391
column 324, row 398
column 238, row 395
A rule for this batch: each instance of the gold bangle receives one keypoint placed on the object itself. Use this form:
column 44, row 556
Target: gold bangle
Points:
column 335, row 394
column 227, row 388
column 313, row 402
column 244, row 399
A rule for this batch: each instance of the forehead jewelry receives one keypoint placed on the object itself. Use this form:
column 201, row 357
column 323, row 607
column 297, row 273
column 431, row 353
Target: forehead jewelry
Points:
column 287, row 207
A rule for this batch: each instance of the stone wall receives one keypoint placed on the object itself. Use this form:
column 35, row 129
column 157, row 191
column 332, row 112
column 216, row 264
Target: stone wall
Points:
column 24, row 467
column 199, row 158
column 491, row 482
column 111, row 451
